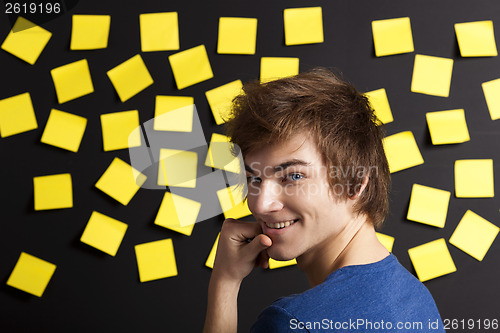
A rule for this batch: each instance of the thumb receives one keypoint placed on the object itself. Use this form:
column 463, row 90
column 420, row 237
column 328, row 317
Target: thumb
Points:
column 259, row 243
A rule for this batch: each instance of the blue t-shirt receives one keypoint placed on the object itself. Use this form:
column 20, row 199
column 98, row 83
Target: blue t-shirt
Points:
column 377, row 297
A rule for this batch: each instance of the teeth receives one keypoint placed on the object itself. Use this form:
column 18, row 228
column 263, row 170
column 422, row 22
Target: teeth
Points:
column 279, row 225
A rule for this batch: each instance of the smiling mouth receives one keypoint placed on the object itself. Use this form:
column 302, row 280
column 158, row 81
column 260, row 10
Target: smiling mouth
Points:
column 280, row 225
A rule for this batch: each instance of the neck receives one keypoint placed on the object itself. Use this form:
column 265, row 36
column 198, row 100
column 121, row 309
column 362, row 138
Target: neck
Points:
column 357, row 244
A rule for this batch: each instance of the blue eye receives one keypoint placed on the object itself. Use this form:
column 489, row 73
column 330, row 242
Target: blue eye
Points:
column 296, row 176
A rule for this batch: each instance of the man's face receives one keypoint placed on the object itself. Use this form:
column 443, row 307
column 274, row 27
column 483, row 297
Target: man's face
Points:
column 288, row 187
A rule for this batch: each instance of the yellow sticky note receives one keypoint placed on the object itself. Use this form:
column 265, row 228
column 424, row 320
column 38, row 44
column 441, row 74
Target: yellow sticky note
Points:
column 120, row 181
column 380, row 104
column 447, row 127
column 491, row 90
column 159, row 31
column 17, row 115
column 26, row 40
column 178, row 213
column 474, row 235
column 53, row 191
column 177, row 168
column 432, row 75
column 104, row 233
column 156, row 260
column 64, row 130
column 474, row 178
column 386, row 240
column 237, row 35
column 432, row 260
column 273, row 264
column 120, row 130
column 219, row 154
column 476, row 39
column 392, row 36
column 211, row 257
column 174, row 113
column 272, row 68
column 130, row 77
column 220, row 100
column 233, row 202
column 402, row 151
column 190, row 66
column 428, row 205
column 31, row 274
column 303, row 25
column 90, row 32
column 72, row 81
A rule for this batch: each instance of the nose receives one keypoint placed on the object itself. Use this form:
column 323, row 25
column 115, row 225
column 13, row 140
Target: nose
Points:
column 266, row 198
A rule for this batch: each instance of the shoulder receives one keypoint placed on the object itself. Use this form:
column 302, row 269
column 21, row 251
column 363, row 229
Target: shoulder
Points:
column 276, row 319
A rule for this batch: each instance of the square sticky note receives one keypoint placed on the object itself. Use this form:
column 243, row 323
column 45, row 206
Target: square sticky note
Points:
column 120, row 181
column 233, row 203
column 491, row 90
column 90, row 32
column 26, row 40
column 53, row 191
column 17, row 115
column 447, row 127
column 64, row 130
column 156, row 260
column 432, row 75
column 474, row 235
column 211, row 256
column 178, row 213
column 476, row 39
column 402, row 151
column 220, row 156
column 392, row 36
column 130, row 77
column 474, row 178
column 272, row 68
column 72, row 81
column 237, row 35
column 303, row 25
column 177, row 168
column 220, row 100
column 174, row 113
column 432, row 260
column 104, row 233
column 380, row 104
column 273, row 264
column 120, row 130
column 386, row 240
column 159, row 31
column 428, row 205
column 31, row 274
column 190, row 66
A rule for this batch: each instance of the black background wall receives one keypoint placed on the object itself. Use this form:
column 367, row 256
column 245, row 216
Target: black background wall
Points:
column 94, row 291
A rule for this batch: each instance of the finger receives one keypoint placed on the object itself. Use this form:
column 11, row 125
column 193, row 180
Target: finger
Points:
column 242, row 230
column 258, row 244
column 265, row 260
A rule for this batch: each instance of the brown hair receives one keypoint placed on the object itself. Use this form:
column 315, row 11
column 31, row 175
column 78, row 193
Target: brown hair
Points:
column 340, row 119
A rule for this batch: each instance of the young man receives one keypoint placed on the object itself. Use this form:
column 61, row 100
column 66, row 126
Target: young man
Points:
column 318, row 185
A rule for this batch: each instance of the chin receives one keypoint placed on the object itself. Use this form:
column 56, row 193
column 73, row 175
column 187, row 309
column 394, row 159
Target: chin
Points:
column 280, row 254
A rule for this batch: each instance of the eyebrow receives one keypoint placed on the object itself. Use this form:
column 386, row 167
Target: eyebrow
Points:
column 283, row 165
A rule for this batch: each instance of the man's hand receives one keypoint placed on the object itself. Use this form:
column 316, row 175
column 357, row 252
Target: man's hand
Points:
column 241, row 247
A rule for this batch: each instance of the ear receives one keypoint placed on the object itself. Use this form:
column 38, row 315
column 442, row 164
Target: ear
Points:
column 360, row 190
